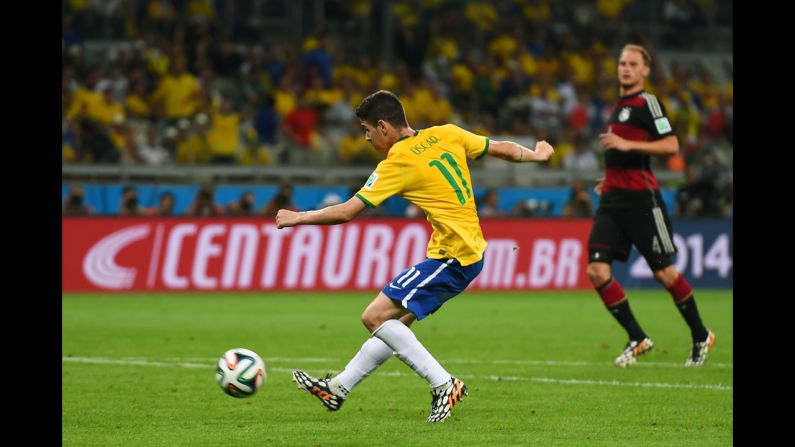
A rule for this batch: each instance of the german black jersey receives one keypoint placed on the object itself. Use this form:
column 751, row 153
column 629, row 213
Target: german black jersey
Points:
column 629, row 181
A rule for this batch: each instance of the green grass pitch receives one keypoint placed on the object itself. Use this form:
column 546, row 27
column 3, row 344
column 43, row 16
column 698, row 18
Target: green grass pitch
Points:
column 138, row 370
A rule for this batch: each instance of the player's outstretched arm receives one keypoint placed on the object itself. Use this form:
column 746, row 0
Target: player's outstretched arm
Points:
column 335, row 214
column 516, row 153
column 665, row 146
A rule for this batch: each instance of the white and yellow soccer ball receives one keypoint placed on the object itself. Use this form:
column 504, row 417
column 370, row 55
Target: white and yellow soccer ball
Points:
column 240, row 372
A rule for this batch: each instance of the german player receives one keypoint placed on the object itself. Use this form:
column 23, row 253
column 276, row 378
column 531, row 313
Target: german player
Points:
column 632, row 212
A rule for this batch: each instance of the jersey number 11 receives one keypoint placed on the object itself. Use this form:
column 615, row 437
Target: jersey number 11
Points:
column 449, row 177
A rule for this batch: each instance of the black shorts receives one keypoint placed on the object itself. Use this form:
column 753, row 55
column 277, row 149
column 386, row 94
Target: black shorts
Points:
column 616, row 230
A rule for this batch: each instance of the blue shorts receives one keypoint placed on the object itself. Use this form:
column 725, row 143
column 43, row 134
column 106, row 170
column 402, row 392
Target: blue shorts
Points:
column 423, row 289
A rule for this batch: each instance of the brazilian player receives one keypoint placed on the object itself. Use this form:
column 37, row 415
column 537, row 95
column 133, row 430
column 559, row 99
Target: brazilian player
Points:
column 428, row 168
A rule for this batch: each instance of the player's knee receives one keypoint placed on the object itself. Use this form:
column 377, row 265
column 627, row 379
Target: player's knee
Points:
column 666, row 276
column 371, row 320
column 598, row 273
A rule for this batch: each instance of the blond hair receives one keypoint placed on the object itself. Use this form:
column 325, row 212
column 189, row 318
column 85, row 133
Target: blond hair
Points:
column 639, row 49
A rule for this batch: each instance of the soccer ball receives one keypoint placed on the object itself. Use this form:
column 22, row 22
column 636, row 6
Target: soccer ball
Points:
column 240, row 372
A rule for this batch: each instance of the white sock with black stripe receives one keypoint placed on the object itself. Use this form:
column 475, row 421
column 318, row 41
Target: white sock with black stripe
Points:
column 373, row 354
column 408, row 349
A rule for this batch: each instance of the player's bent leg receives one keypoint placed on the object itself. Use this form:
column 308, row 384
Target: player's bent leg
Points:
column 446, row 390
column 404, row 343
column 408, row 319
column 370, row 357
column 413, row 294
column 332, row 392
column 614, row 299
column 599, row 273
column 381, row 309
column 373, row 353
column 667, row 276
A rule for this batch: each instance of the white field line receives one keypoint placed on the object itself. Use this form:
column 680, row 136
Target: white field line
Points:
column 138, row 362
column 463, row 362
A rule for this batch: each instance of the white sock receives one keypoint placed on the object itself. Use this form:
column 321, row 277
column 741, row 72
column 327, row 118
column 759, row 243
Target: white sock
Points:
column 408, row 349
column 373, row 354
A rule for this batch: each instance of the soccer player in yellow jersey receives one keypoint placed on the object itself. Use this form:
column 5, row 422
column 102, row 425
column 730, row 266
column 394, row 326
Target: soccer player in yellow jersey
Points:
column 427, row 167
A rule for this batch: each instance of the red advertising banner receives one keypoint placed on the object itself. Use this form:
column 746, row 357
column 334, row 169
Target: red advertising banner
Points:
column 250, row 254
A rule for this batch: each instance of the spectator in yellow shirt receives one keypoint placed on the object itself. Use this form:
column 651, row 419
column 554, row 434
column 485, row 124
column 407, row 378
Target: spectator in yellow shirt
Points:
column 106, row 108
column 611, row 9
column 224, row 137
column 355, row 150
column 178, row 93
column 85, row 97
column 194, row 149
column 537, row 11
column 504, row 46
column 284, row 97
column 321, row 96
column 481, row 14
column 136, row 105
column 442, row 111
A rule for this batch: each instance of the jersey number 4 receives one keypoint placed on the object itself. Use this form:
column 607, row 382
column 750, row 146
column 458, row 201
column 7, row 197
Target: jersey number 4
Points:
column 449, row 177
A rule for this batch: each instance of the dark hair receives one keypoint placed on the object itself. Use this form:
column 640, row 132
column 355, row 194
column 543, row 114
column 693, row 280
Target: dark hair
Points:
column 382, row 105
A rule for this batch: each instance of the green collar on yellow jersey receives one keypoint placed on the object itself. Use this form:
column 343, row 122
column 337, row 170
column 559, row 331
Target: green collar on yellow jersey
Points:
column 416, row 132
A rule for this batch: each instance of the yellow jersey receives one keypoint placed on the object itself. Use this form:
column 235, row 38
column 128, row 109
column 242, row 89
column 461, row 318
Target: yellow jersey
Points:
column 177, row 94
column 430, row 170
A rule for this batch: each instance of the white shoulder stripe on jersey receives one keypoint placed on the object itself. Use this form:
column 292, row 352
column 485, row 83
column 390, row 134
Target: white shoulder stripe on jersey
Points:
column 654, row 105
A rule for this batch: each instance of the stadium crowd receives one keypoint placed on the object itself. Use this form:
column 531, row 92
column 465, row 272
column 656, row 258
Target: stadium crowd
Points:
column 193, row 82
